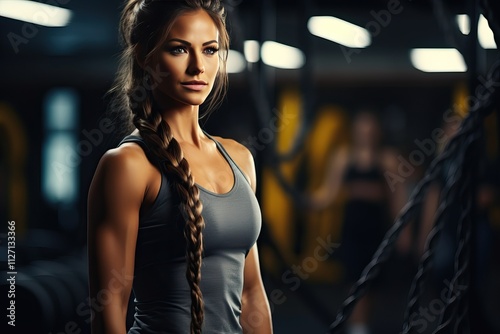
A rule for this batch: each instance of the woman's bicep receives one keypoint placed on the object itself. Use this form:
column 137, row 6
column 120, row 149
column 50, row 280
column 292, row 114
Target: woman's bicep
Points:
column 115, row 197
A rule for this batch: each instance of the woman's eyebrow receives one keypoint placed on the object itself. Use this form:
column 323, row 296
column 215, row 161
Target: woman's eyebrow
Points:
column 189, row 44
column 210, row 42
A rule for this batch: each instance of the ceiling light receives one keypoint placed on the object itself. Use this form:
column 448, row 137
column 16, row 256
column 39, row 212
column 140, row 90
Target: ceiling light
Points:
column 485, row 35
column 463, row 23
column 235, row 62
column 35, row 12
column 339, row 31
column 438, row 60
column 281, row 55
column 251, row 49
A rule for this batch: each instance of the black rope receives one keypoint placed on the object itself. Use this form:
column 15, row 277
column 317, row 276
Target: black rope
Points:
column 455, row 315
column 450, row 195
column 263, row 100
column 456, row 147
column 448, row 25
column 386, row 247
column 456, row 306
column 260, row 92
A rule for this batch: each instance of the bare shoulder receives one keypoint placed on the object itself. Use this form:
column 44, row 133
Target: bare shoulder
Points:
column 126, row 158
column 236, row 150
column 241, row 156
column 124, row 167
column 129, row 153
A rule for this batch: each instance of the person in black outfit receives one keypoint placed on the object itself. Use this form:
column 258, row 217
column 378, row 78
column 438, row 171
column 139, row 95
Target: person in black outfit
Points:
column 370, row 204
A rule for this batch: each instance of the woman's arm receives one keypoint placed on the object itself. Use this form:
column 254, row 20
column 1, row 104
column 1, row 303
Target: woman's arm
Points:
column 331, row 185
column 114, row 200
column 255, row 310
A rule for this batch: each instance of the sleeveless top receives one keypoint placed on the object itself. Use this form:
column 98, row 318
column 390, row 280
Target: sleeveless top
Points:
column 162, row 293
column 364, row 223
column 354, row 173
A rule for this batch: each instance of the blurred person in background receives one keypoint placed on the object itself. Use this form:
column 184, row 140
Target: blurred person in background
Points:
column 359, row 170
column 172, row 210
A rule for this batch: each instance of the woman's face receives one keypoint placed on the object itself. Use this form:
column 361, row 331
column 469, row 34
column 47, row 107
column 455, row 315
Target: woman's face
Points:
column 366, row 129
column 188, row 61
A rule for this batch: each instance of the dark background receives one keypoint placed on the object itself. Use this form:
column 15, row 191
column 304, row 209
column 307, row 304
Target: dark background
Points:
column 51, row 236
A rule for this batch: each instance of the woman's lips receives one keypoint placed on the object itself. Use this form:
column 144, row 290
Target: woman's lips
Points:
column 194, row 85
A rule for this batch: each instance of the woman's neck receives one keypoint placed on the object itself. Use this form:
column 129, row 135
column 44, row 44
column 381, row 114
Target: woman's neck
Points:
column 181, row 118
column 184, row 124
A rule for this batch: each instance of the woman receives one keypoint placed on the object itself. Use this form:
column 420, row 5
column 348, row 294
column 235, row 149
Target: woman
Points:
column 359, row 171
column 172, row 210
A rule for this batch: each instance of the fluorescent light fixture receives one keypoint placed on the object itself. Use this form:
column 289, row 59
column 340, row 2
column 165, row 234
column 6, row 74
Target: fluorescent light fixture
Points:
column 485, row 35
column 61, row 111
column 463, row 22
column 59, row 178
column 282, row 56
column 438, row 60
column 35, row 12
column 235, row 62
column 251, row 49
column 339, row 31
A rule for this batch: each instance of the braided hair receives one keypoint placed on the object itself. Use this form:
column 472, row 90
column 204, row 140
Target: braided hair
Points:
column 143, row 26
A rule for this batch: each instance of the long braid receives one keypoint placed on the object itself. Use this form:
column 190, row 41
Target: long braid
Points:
column 142, row 28
column 159, row 137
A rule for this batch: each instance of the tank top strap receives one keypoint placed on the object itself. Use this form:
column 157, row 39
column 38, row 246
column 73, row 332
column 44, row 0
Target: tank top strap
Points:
column 134, row 139
column 142, row 143
column 226, row 155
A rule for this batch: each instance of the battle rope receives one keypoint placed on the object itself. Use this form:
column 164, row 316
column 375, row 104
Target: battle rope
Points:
column 455, row 312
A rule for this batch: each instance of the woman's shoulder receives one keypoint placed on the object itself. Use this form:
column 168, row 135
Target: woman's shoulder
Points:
column 128, row 153
column 241, row 155
column 125, row 162
column 125, row 174
column 232, row 146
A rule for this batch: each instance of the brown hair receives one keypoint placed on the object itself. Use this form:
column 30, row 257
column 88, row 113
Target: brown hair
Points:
column 143, row 26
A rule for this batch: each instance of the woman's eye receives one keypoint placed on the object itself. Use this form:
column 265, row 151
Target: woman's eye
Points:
column 177, row 50
column 211, row 50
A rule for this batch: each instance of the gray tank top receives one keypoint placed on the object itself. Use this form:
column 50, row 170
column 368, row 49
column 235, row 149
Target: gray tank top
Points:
column 162, row 293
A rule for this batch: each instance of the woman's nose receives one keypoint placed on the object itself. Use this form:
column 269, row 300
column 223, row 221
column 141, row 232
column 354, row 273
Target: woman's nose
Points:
column 196, row 65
